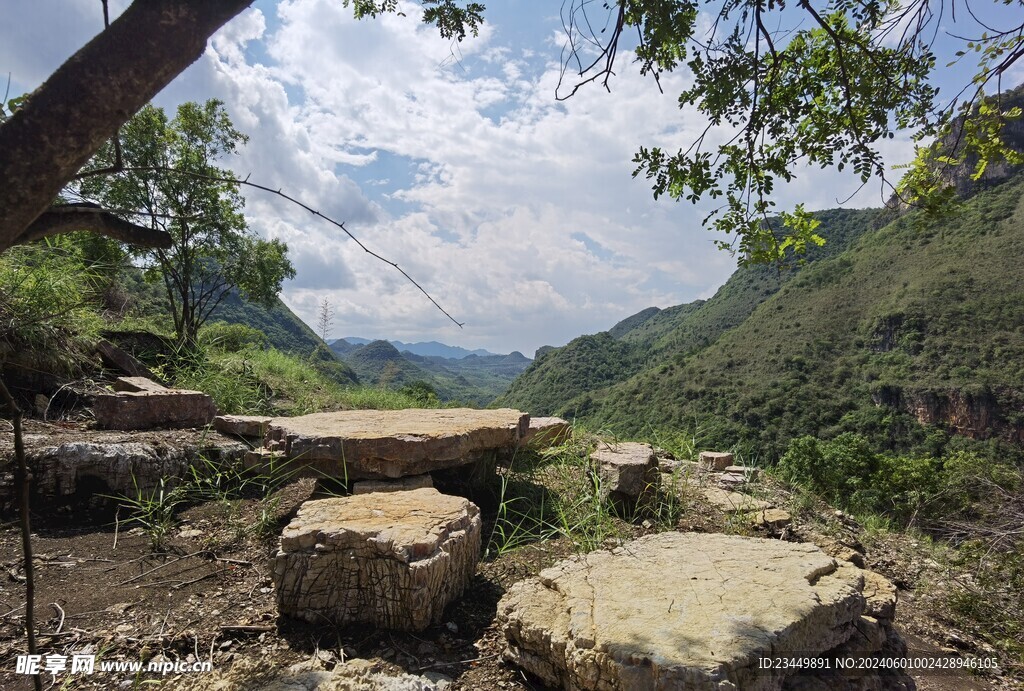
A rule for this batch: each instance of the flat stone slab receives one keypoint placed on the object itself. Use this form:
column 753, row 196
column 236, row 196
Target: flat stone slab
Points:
column 375, row 444
column 731, row 502
column 153, row 408
column 680, row 611
column 393, row 560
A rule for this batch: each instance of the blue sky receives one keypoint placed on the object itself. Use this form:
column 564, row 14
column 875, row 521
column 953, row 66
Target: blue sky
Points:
column 517, row 212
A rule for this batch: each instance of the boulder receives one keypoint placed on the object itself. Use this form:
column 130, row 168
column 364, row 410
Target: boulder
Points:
column 77, row 469
column 377, row 444
column 680, row 610
column 392, row 560
column 881, row 596
column 151, row 408
column 716, row 460
column 628, row 472
column 545, row 432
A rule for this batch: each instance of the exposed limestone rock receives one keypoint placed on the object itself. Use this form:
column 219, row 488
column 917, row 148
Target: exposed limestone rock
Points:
column 731, row 502
column 122, row 468
column 839, row 551
column 716, row 460
column 254, row 426
column 375, row 444
column 149, row 408
column 403, row 484
column 773, row 519
column 393, row 560
column 628, row 472
column 881, row 596
column 680, row 610
column 545, row 432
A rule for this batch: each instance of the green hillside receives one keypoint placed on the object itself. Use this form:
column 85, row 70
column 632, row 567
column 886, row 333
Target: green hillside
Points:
column 563, row 380
column 910, row 324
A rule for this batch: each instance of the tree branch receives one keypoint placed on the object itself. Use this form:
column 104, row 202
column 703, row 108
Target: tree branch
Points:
column 67, row 218
column 47, row 140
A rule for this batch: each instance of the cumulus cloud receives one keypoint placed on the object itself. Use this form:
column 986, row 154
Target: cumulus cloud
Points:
column 517, row 212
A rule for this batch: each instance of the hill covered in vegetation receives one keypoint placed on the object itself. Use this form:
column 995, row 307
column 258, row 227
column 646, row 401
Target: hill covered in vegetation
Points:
column 885, row 329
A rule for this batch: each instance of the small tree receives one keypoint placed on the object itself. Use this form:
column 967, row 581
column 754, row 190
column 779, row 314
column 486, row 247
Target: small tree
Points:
column 170, row 177
column 325, row 320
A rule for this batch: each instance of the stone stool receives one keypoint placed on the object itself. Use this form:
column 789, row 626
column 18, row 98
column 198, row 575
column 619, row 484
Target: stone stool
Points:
column 393, row 560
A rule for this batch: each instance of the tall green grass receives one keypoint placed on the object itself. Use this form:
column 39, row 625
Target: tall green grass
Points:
column 255, row 381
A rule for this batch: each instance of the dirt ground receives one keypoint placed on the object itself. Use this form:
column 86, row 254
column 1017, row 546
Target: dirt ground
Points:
column 101, row 589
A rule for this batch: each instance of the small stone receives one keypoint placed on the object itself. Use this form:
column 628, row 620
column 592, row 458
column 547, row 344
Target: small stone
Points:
column 545, row 432
column 628, row 472
column 716, row 460
column 452, row 627
column 190, row 533
column 252, row 426
column 773, row 519
column 748, row 472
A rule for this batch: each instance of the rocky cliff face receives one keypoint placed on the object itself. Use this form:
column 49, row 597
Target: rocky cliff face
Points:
column 959, row 176
column 984, row 414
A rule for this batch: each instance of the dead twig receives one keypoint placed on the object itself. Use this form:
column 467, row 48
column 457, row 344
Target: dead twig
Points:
column 157, row 568
column 60, row 612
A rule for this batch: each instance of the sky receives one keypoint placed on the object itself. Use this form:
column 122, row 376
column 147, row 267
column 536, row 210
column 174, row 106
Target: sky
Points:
column 517, row 212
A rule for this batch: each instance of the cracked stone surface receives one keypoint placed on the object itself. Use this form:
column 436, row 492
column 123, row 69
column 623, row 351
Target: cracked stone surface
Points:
column 378, row 444
column 680, row 610
column 118, row 467
column 393, row 560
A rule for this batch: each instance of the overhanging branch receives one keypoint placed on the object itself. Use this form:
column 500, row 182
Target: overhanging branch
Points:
column 67, row 218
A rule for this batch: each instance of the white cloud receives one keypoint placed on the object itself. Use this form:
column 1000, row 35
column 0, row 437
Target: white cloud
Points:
column 456, row 162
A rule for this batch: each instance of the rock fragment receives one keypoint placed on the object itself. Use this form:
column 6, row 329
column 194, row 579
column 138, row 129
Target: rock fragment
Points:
column 716, row 460
column 628, row 472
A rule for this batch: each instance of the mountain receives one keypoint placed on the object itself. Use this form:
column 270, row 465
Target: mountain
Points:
column 561, row 380
column 424, row 348
column 473, row 378
column 895, row 327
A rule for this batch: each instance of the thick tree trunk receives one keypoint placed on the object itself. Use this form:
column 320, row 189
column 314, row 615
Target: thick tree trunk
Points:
column 82, row 104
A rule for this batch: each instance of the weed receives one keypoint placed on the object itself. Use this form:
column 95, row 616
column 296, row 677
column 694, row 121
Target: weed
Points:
column 154, row 510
